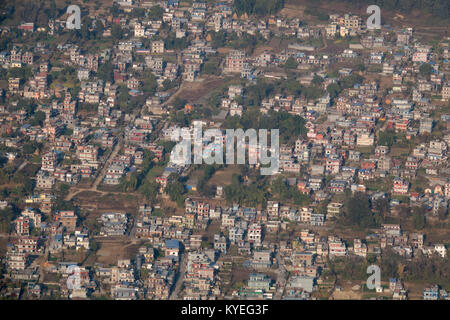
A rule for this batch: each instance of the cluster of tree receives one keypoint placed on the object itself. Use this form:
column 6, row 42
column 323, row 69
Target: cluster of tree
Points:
column 7, row 215
column 136, row 179
column 31, row 146
column 352, row 267
column 106, row 71
column 425, row 70
column 202, row 186
column 358, row 212
column 24, row 73
column 23, row 104
column 245, row 194
column 291, row 63
column 211, row 66
column 184, row 119
column 386, row 138
column 259, row 7
column 281, row 191
column 38, row 118
column 290, row 126
column 168, row 84
column 437, row 8
column 246, row 41
column 128, row 103
column 348, row 82
column 138, row 13
column 432, row 269
column 176, row 190
column 149, row 83
column 155, row 13
column 171, row 42
column 317, row 13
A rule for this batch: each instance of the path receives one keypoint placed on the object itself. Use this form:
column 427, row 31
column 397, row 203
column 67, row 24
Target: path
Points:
column 180, row 277
column 74, row 191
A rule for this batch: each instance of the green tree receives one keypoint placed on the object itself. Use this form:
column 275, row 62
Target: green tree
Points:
column 156, row 13
column 425, row 70
column 291, row 63
column 116, row 31
column 176, row 191
column 357, row 211
column 386, row 138
column 38, row 118
column 333, row 89
column 419, row 219
column 99, row 28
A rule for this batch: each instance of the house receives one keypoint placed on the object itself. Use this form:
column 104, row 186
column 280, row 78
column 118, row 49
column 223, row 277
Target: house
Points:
column 67, row 218
column 259, row 282
column 304, row 283
column 261, row 259
column 44, row 180
column 336, row 247
column 157, row 47
column 334, row 209
column 172, row 248
column 431, row 293
column 400, row 186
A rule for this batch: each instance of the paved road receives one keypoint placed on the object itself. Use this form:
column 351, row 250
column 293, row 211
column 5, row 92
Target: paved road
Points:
column 74, row 191
column 180, row 278
column 282, row 277
column 22, row 165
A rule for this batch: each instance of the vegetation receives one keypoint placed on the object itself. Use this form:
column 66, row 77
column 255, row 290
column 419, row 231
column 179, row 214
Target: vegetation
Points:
column 259, row 7
column 290, row 126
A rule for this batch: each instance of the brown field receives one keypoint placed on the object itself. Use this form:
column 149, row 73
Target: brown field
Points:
column 199, row 91
column 396, row 151
column 112, row 250
column 423, row 23
column 120, row 202
column 3, row 243
column 170, row 208
column 212, row 229
column 223, row 176
column 293, row 11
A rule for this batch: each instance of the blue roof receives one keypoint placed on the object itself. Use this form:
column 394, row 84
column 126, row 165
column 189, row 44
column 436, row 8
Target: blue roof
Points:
column 172, row 244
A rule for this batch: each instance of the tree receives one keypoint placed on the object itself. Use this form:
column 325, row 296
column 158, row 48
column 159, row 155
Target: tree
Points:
column 333, row 89
column 156, row 13
column 116, row 31
column 317, row 80
column 419, row 219
column 357, row 211
column 291, row 63
column 425, row 70
column 260, row 7
column 149, row 190
column 386, row 138
column 85, row 32
column 94, row 246
column 149, row 84
column 6, row 217
column 176, row 190
column 219, row 39
column 38, row 118
column 106, row 72
column 99, row 28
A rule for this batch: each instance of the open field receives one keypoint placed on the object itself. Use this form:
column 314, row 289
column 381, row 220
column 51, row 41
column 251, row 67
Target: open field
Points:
column 112, row 250
column 223, row 176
